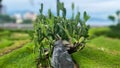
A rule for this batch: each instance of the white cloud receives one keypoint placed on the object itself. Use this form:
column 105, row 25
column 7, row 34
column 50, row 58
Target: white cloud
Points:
column 95, row 5
column 92, row 6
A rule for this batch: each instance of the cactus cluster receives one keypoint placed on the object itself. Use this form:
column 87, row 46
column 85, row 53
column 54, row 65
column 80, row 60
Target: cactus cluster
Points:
column 50, row 28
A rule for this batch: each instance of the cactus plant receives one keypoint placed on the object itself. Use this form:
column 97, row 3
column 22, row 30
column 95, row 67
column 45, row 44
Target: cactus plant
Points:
column 50, row 28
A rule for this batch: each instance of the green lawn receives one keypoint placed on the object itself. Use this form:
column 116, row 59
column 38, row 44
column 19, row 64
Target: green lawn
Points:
column 106, row 43
column 9, row 38
column 21, row 58
column 4, row 43
column 101, row 51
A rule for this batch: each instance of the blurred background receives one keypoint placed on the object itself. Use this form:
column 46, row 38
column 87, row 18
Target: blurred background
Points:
column 27, row 10
column 16, row 28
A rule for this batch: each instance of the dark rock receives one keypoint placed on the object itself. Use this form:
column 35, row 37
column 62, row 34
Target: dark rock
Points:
column 60, row 57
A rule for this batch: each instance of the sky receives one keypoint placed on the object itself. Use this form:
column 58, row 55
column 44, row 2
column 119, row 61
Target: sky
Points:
column 99, row 10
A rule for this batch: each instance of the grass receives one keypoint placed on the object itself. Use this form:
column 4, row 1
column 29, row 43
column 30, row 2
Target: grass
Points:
column 94, row 58
column 110, row 44
column 8, row 37
column 11, row 40
column 20, row 58
column 19, row 36
column 112, row 32
column 5, row 43
column 5, row 32
column 101, row 51
column 14, row 46
column 14, row 34
column 93, row 32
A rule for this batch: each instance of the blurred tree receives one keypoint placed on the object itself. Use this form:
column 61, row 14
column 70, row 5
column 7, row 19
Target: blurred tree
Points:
column 1, row 6
column 112, row 18
column 27, row 21
column 6, row 18
column 0, row 0
column 116, row 17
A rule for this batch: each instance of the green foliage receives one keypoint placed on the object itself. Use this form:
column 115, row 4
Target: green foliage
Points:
column 111, row 31
column 112, row 18
column 73, row 6
column 118, row 12
column 6, row 18
column 41, row 10
column 51, row 28
column 72, row 10
column 27, row 21
column 117, row 17
column 0, row 4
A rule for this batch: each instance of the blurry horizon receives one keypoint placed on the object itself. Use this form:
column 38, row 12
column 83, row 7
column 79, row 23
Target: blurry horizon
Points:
column 98, row 10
